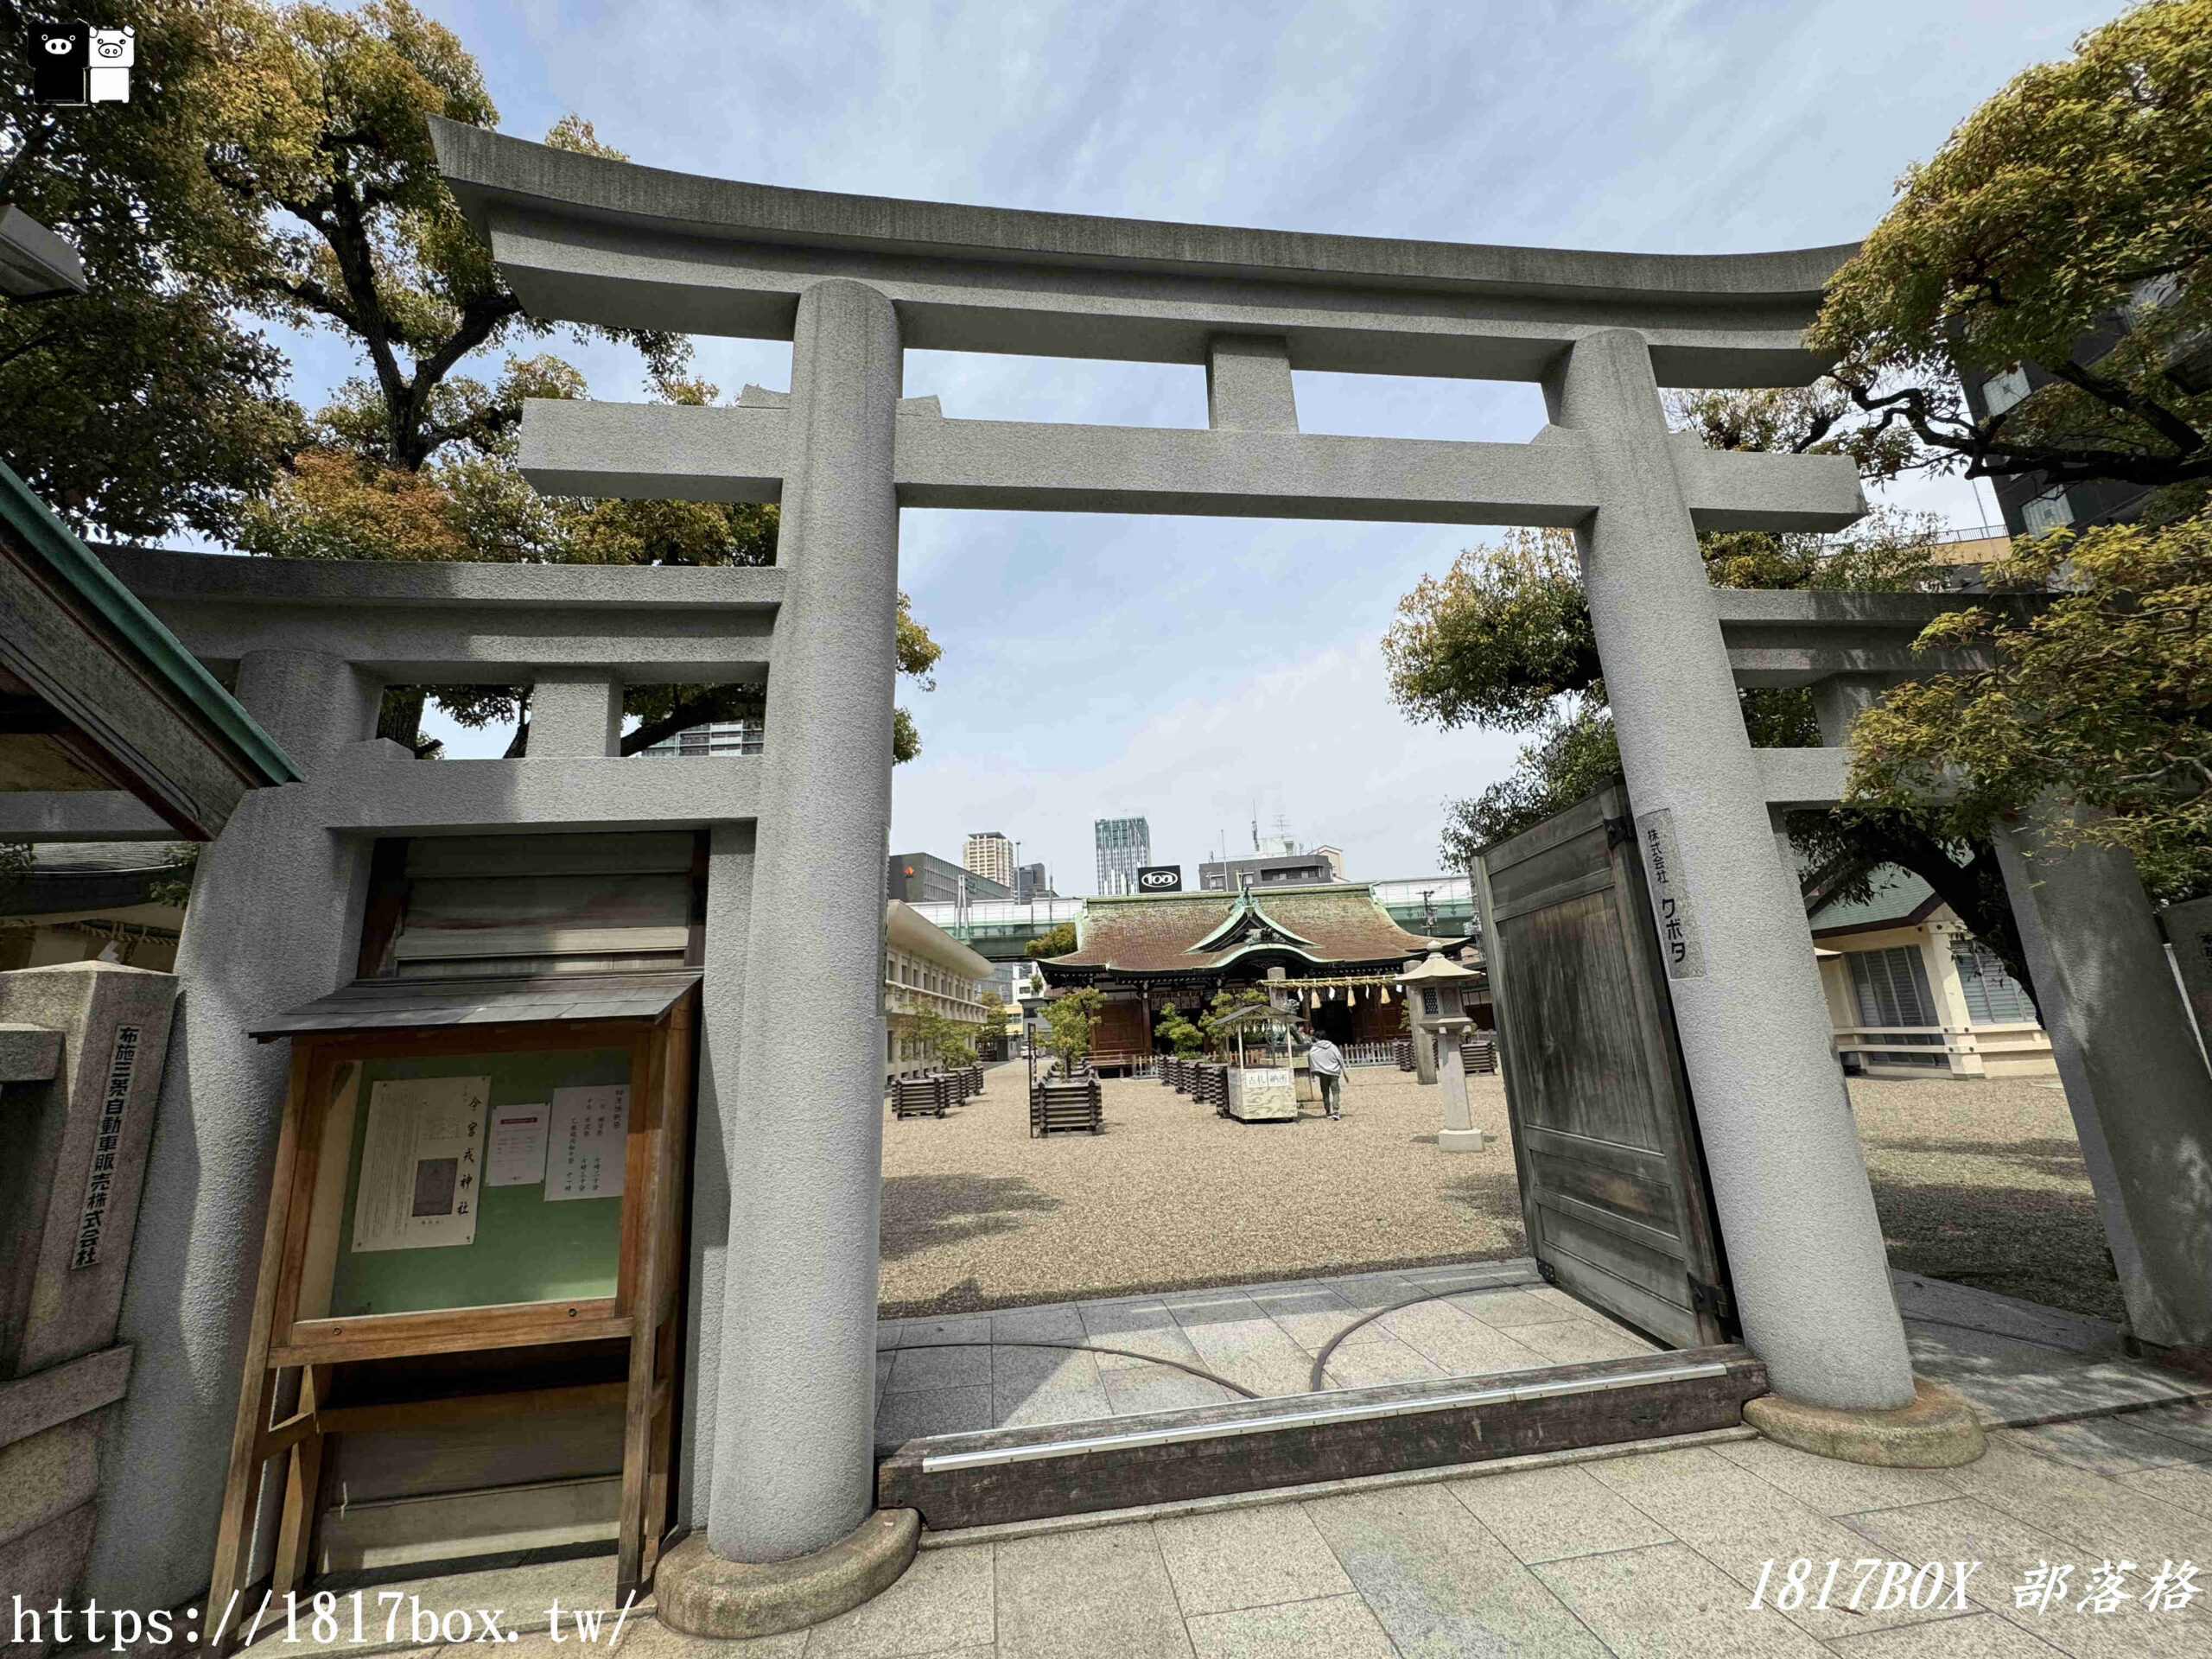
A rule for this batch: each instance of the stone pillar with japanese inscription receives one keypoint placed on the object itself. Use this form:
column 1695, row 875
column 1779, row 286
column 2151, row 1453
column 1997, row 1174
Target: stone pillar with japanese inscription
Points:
column 1805, row 1247
column 82, row 1046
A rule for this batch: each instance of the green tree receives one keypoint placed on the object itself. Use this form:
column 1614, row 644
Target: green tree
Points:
column 1224, row 1004
column 1070, row 1018
column 1503, row 640
column 2109, row 689
column 2061, row 231
column 1176, row 1030
column 142, row 406
column 950, row 1042
column 322, row 152
column 1055, row 941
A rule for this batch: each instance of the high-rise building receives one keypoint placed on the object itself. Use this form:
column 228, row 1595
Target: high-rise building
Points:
column 1029, row 882
column 1124, row 846
column 989, row 853
column 925, row 878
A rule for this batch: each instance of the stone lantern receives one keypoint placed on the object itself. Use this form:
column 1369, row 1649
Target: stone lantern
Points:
column 1436, row 989
column 1435, row 994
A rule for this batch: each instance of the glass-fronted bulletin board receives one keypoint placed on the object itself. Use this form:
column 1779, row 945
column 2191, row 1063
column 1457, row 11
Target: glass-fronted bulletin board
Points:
column 471, row 1180
column 465, row 1168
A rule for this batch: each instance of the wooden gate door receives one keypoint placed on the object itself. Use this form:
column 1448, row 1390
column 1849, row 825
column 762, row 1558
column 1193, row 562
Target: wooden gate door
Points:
column 1612, row 1179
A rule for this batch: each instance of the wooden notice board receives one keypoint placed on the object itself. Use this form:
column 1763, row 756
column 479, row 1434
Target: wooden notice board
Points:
column 466, row 1169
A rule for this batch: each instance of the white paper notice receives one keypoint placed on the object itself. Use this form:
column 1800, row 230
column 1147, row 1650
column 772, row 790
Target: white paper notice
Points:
column 591, row 1133
column 421, row 1161
column 515, row 1154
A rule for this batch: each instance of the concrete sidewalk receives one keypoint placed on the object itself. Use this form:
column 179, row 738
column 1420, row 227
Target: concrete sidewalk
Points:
column 1648, row 1549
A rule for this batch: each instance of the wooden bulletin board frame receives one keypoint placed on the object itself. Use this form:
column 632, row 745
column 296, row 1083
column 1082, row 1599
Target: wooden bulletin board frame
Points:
column 643, row 1312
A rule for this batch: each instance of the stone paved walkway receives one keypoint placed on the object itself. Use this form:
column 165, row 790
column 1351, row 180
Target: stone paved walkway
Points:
column 1497, row 1317
column 1650, row 1554
column 1636, row 1552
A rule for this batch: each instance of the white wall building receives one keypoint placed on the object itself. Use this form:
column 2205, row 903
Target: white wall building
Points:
column 1911, row 994
column 925, row 969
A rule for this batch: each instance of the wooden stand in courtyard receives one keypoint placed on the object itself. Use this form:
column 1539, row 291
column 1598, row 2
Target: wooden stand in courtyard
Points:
column 476, row 1209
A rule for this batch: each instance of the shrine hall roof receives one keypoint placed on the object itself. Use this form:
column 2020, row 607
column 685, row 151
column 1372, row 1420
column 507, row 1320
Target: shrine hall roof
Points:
column 1181, row 933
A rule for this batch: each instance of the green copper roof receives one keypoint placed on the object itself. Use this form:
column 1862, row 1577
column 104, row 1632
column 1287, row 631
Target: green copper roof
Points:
column 1246, row 909
column 75, row 564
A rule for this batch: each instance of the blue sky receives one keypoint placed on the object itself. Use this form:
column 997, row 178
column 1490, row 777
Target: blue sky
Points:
column 1196, row 670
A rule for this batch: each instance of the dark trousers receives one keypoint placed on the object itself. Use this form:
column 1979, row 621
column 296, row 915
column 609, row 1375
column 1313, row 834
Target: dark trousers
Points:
column 1333, row 1089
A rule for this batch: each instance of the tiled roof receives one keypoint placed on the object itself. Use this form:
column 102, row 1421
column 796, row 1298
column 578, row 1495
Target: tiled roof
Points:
column 1900, row 899
column 1331, row 924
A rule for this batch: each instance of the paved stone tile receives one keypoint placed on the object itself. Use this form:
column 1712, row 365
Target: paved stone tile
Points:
column 1577, row 1342
column 1971, row 1635
column 1253, row 1352
column 1311, row 1316
column 1831, row 1486
column 2187, row 1489
column 2090, row 1512
column 1370, row 1364
column 903, row 1417
column 962, row 1328
column 944, row 1599
column 1212, row 1308
column 1044, row 1385
column 1339, row 1627
column 889, row 1334
column 2008, row 1548
column 1505, row 1309
column 1695, row 1494
column 2014, row 1382
column 1141, row 1328
column 2127, row 1632
column 883, row 1361
column 1056, row 1322
column 915, row 1369
column 1097, row 1594
column 1460, row 1345
column 2111, row 1445
column 1440, row 1584
column 1764, row 1549
column 2190, row 1422
column 1964, row 1530
column 1545, row 1515
column 1455, row 1279
column 654, row 1640
column 1248, row 1558
column 1371, row 1292
column 1137, row 1387
column 1668, row 1599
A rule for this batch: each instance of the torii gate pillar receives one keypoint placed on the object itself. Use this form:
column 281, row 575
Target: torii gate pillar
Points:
column 1804, row 1244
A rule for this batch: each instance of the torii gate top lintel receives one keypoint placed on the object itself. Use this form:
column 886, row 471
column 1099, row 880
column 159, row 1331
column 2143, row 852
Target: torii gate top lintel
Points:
column 585, row 238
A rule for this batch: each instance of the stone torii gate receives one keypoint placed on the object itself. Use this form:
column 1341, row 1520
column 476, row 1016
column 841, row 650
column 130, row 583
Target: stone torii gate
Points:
column 853, row 282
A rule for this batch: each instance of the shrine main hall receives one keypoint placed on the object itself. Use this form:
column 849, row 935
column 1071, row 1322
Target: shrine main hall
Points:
column 1332, row 944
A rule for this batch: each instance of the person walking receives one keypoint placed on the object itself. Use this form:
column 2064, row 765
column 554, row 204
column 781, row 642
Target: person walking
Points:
column 1326, row 1061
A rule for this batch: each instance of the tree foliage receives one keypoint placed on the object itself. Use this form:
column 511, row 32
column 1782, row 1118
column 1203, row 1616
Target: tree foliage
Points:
column 2063, row 229
column 1178, row 1032
column 142, row 406
column 1070, row 1018
column 319, row 155
column 2108, row 687
column 1224, row 1004
column 950, row 1042
column 1055, row 941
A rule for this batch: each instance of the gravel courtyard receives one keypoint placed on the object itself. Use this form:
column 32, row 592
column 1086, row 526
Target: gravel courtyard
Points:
column 1981, row 1183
